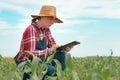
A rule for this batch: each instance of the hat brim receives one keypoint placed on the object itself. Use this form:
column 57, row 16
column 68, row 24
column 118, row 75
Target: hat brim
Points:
column 57, row 20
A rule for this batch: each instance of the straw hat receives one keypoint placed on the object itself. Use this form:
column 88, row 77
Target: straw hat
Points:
column 48, row 10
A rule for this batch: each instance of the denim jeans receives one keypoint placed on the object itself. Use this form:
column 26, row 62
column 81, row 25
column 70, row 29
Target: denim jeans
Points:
column 60, row 56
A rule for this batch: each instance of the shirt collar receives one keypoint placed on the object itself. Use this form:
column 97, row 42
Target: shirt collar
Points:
column 36, row 25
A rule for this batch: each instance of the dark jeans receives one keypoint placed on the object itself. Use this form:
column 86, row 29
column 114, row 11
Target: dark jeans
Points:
column 60, row 56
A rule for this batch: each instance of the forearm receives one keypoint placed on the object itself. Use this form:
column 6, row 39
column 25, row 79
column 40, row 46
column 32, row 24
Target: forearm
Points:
column 42, row 53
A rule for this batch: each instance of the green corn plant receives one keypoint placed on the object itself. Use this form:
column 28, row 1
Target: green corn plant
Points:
column 77, row 68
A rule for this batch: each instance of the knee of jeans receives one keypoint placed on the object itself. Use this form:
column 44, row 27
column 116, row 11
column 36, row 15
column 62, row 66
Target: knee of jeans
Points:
column 60, row 55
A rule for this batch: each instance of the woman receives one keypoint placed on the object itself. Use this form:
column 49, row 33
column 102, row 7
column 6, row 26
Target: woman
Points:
column 38, row 39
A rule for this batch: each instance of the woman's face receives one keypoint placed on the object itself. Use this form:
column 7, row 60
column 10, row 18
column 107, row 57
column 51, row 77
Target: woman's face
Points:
column 47, row 21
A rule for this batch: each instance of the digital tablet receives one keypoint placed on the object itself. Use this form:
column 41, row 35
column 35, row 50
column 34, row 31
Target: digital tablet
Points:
column 73, row 43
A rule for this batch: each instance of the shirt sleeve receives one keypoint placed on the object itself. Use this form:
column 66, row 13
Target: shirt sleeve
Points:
column 29, row 42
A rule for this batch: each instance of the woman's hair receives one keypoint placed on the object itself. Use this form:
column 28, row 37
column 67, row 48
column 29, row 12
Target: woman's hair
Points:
column 35, row 19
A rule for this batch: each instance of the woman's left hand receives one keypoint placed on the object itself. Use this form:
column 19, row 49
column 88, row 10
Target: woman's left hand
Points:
column 67, row 49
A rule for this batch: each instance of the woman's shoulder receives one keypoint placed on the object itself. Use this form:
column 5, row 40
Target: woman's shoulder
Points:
column 30, row 28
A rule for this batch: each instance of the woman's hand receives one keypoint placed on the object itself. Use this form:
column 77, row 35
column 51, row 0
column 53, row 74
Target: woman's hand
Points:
column 67, row 49
column 54, row 47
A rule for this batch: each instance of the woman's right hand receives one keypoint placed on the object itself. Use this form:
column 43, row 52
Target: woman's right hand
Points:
column 54, row 47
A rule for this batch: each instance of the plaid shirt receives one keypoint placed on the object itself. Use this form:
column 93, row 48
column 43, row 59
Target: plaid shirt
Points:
column 32, row 35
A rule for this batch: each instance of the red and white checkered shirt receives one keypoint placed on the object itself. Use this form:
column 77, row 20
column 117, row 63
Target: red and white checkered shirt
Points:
column 34, row 33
